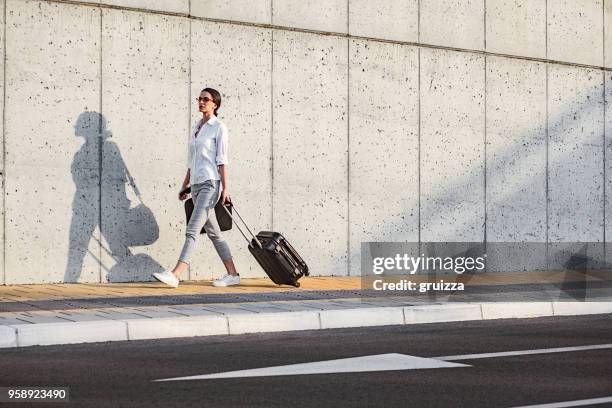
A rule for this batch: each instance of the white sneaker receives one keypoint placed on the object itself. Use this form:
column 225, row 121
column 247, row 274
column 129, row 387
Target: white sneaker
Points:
column 227, row 280
column 167, row 277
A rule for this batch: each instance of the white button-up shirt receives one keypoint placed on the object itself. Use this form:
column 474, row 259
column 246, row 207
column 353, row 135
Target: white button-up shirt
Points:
column 207, row 150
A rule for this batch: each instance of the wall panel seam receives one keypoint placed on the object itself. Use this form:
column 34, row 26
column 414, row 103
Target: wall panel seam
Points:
column 604, row 164
column 485, row 155
column 100, row 152
column 272, row 130
column 485, row 25
column 348, row 16
column 4, row 147
column 603, row 43
column 348, row 157
column 189, row 105
column 419, row 148
column 419, row 21
column 547, row 171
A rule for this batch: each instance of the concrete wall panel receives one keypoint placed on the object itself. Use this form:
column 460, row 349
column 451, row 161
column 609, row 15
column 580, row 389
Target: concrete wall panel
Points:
column 259, row 11
column 310, row 147
column 576, row 164
column 51, row 144
column 2, row 138
column 320, row 15
column 453, row 23
column 171, row 6
column 243, row 77
column 2, row 19
column 608, row 33
column 516, row 163
column 384, row 142
column 452, row 146
column 516, row 150
column 517, row 27
column 145, row 102
column 575, row 31
column 391, row 20
column 575, row 154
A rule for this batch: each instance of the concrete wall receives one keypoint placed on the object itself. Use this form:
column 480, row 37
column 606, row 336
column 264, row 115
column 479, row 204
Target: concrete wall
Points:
column 399, row 120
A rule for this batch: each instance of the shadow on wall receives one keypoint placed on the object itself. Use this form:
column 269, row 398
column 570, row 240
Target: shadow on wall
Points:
column 121, row 225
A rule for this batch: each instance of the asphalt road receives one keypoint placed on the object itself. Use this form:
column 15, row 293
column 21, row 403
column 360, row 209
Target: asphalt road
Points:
column 121, row 374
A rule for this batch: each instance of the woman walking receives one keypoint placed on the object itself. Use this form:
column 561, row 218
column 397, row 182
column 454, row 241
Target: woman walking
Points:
column 206, row 174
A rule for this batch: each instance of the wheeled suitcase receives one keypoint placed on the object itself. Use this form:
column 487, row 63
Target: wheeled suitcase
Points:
column 274, row 254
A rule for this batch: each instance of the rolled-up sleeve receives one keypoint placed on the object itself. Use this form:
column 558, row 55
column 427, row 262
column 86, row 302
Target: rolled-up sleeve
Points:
column 222, row 145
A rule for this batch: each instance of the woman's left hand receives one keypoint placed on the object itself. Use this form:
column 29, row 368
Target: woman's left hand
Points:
column 225, row 197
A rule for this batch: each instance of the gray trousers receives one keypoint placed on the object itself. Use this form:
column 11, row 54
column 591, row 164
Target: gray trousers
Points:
column 205, row 196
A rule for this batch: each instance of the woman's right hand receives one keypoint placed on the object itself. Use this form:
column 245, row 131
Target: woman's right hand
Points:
column 182, row 196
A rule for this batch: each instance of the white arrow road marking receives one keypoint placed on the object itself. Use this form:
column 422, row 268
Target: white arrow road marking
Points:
column 379, row 362
column 523, row 352
column 577, row 403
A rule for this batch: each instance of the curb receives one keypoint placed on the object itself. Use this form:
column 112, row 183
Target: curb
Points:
column 24, row 335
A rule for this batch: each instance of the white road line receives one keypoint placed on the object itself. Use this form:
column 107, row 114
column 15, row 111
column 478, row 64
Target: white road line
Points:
column 577, row 403
column 524, row 352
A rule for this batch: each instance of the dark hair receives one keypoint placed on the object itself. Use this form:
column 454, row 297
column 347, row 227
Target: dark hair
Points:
column 216, row 97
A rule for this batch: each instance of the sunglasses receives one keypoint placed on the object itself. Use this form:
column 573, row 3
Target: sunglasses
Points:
column 204, row 99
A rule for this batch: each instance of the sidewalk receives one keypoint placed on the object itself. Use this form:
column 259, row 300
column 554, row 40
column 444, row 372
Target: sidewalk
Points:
column 77, row 313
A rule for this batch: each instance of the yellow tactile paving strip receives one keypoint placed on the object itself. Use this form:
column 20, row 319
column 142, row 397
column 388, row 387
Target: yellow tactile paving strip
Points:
column 21, row 293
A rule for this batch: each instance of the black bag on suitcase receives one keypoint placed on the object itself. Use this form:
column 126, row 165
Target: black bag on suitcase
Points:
column 225, row 222
column 275, row 255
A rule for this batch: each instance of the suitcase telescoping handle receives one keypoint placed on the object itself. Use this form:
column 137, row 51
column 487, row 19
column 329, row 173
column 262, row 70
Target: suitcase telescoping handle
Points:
column 238, row 226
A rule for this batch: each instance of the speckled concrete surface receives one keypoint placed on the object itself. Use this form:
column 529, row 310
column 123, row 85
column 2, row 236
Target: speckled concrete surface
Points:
column 171, row 6
column 452, row 23
column 516, row 161
column 516, row 150
column 384, row 167
column 576, row 113
column 516, row 27
column 392, row 19
column 321, row 15
column 452, row 146
column 575, row 154
column 575, row 31
column 236, row 10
